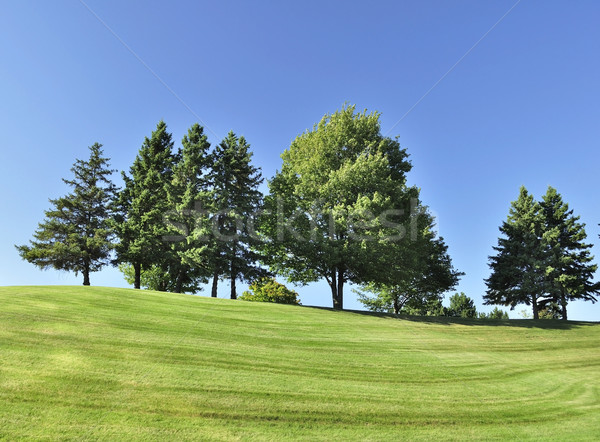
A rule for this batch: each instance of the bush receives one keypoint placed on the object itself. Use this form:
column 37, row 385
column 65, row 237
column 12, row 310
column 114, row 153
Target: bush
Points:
column 269, row 290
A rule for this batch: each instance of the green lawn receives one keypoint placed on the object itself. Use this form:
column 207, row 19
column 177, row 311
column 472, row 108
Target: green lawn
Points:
column 102, row 363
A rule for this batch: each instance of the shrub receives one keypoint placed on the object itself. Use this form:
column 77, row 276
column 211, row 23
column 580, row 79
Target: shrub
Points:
column 269, row 290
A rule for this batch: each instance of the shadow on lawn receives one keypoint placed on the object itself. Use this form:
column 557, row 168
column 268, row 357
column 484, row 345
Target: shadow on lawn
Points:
column 549, row 324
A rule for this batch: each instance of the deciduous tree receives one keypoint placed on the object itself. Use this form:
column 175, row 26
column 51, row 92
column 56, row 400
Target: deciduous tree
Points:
column 340, row 208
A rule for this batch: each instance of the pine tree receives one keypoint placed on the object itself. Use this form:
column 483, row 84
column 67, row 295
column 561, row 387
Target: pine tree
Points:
column 570, row 271
column 519, row 267
column 235, row 200
column 143, row 205
column 189, row 197
column 75, row 236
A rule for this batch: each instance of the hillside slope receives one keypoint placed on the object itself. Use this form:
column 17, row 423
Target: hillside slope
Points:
column 103, row 363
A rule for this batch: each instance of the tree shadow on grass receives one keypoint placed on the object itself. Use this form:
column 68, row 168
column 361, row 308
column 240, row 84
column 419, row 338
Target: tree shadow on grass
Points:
column 548, row 324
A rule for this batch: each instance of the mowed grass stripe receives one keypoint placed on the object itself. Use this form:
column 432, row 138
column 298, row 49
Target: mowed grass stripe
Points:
column 102, row 363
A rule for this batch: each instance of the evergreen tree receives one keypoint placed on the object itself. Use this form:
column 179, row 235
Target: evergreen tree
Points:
column 570, row 271
column 143, row 205
column 519, row 267
column 75, row 236
column 189, row 197
column 235, row 200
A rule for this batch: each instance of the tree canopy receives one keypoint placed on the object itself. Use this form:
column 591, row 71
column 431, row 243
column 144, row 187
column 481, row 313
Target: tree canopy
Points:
column 340, row 208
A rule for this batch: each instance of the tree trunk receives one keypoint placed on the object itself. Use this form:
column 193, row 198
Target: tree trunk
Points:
column 215, row 282
column 137, row 268
column 179, row 282
column 233, row 293
column 337, row 288
column 233, row 278
column 563, row 302
column 340, row 287
column 86, row 274
column 396, row 306
column 535, row 308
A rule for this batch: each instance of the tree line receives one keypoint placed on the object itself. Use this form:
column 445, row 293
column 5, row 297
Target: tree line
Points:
column 338, row 210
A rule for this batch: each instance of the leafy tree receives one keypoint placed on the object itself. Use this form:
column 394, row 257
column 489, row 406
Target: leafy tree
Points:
column 570, row 271
column 268, row 290
column 494, row 314
column 235, row 201
column 519, row 267
column 340, row 208
column 418, row 281
column 143, row 204
column 75, row 236
column 462, row 306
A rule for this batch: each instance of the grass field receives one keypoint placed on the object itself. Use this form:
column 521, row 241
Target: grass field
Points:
column 101, row 363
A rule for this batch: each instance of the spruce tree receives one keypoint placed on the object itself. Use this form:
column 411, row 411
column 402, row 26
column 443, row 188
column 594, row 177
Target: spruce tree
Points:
column 143, row 205
column 570, row 271
column 76, row 236
column 519, row 266
column 189, row 198
column 235, row 200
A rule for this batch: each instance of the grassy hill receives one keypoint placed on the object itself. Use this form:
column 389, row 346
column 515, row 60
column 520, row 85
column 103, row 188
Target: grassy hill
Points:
column 102, row 363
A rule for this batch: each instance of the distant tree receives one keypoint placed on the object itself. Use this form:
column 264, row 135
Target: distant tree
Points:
column 339, row 209
column 570, row 270
column 143, row 203
column 75, row 236
column 235, row 201
column 519, row 266
column 431, row 306
column 543, row 260
column 494, row 314
column 462, row 306
column 268, row 290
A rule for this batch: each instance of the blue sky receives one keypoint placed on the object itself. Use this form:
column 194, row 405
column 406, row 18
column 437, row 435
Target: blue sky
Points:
column 521, row 106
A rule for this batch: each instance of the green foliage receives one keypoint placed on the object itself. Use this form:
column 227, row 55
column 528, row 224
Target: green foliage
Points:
column 76, row 233
column 570, row 270
column 269, row 290
column 412, row 284
column 519, row 267
column 143, row 204
column 235, row 201
column 340, row 208
column 462, row 306
column 154, row 278
column 188, row 225
column 494, row 314
column 542, row 258
column 430, row 306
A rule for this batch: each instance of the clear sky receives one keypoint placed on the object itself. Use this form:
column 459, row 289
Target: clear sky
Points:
column 484, row 97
